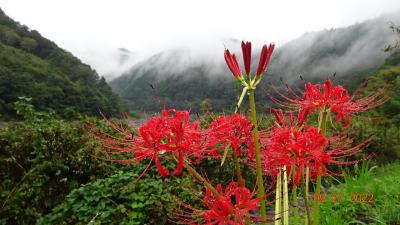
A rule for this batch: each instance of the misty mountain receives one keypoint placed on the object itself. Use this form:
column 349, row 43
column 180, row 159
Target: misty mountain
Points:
column 35, row 67
column 346, row 51
column 110, row 63
column 175, row 79
column 183, row 79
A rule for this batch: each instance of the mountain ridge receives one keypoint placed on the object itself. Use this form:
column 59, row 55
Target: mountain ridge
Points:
column 35, row 67
column 353, row 51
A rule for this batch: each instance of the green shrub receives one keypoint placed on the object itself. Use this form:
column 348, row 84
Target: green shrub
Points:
column 116, row 200
column 41, row 160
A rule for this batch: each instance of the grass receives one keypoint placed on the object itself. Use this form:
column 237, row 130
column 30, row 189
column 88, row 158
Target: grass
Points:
column 382, row 182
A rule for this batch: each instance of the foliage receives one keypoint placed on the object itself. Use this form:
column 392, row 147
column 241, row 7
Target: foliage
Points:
column 383, row 122
column 40, row 163
column 383, row 183
column 116, row 200
column 28, row 44
column 179, row 91
column 33, row 66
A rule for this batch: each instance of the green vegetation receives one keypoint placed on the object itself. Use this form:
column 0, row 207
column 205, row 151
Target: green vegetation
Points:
column 32, row 66
column 116, row 200
column 382, row 182
column 47, row 177
column 180, row 91
column 43, row 166
column 40, row 163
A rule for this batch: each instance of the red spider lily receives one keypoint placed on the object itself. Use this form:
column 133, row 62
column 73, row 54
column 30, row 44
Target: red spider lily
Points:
column 166, row 137
column 230, row 207
column 330, row 97
column 233, row 64
column 281, row 119
column 234, row 131
column 295, row 149
column 266, row 53
column 246, row 50
column 305, row 146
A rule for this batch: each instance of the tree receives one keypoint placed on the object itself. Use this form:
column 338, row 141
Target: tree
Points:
column 8, row 36
column 28, row 44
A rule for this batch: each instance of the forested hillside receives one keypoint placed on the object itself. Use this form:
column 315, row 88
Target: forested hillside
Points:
column 34, row 67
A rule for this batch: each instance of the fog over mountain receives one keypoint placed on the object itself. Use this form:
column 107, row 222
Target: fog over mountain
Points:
column 341, row 50
column 346, row 51
column 110, row 63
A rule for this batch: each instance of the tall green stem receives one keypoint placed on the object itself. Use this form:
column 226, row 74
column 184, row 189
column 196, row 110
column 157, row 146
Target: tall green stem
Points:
column 278, row 199
column 241, row 181
column 322, row 130
column 305, row 194
column 260, row 185
column 285, row 198
column 306, row 198
column 200, row 178
column 295, row 205
column 237, row 169
column 234, row 155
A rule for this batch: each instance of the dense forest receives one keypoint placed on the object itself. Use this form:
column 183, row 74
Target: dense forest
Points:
column 32, row 66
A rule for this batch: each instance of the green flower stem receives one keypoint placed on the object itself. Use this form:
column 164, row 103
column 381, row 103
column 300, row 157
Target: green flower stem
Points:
column 295, row 206
column 278, row 199
column 234, row 155
column 285, row 197
column 241, row 99
column 260, row 185
column 306, row 198
column 200, row 178
column 241, row 181
column 305, row 195
column 322, row 130
column 323, row 122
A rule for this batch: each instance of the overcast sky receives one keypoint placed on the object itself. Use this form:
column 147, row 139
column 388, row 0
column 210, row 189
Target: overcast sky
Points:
column 148, row 26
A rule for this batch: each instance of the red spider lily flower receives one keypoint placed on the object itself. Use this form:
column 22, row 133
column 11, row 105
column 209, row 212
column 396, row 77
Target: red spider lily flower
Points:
column 336, row 99
column 167, row 137
column 234, row 131
column 300, row 147
column 266, row 53
column 279, row 115
column 231, row 207
column 246, row 50
column 233, row 64
column 295, row 149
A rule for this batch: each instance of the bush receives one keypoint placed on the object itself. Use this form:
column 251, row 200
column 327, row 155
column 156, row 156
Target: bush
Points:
column 116, row 200
column 41, row 161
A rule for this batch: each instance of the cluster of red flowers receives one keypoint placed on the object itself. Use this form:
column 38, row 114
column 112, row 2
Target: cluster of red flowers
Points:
column 327, row 96
column 299, row 146
column 172, row 136
column 295, row 148
column 167, row 137
column 231, row 206
column 230, row 131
